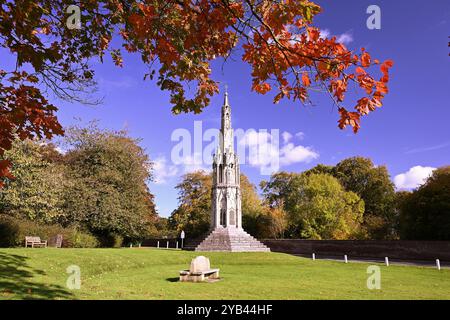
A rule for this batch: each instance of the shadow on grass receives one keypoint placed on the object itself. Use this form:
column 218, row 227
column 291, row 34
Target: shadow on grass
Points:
column 173, row 279
column 16, row 280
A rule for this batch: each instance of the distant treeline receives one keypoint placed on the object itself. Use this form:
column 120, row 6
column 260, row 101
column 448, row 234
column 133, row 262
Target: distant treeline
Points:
column 353, row 200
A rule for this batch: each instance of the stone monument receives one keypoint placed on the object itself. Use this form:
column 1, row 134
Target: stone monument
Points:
column 226, row 232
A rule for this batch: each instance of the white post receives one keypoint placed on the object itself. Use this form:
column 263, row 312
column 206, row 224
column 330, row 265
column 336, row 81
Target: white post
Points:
column 131, row 245
column 157, row 245
column 314, row 256
column 177, row 245
column 139, row 244
column 345, row 259
column 167, row 245
column 386, row 260
column 182, row 236
column 438, row 264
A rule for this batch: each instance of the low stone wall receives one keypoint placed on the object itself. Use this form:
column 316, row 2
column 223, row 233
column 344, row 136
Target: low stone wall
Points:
column 369, row 249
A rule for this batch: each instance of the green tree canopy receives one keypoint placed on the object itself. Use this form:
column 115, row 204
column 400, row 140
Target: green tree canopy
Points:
column 194, row 198
column 318, row 207
column 372, row 184
column 425, row 213
column 272, row 223
column 35, row 192
column 108, row 194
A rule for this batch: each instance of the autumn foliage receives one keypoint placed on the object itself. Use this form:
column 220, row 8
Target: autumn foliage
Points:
column 176, row 40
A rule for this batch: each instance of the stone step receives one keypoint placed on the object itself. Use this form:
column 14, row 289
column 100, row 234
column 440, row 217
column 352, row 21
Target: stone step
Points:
column 221, row 246
column 227, row 246
column 216, row 247
column 234, row 249
column 228, row 241
column 231, row 239
column 231, row 246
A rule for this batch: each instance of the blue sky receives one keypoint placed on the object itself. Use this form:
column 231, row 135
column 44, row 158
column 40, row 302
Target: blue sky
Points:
column 410, row 134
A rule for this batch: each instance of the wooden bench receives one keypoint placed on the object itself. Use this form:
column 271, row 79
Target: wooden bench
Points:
column 199, row 276
column 55, row 241
column 35, row 242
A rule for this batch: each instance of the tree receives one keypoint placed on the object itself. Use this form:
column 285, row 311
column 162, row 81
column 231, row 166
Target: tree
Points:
column 179, row 39
column 400, row 199
column 194, row 210
column 317, row 206
column 108, row 194
column 425, row 213
column 36, row 190
column 321, row 168
column 272, row 223
column 373, row 184
column 160, row 228
column 277, row 190
column 252, row 208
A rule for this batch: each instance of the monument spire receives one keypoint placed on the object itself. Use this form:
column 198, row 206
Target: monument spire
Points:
column 226, row 139
column 226, row 232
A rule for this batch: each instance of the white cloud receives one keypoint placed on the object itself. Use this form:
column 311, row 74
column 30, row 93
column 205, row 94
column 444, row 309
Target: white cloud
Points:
column 345, row 38
column 325, row 33
column 413, row 178
column 260, row 150
column 266, row 153
column 254, row 138
column 300, row 135
column 163, row 171
column 286, row 136
column 291, row 154
column 193, row 163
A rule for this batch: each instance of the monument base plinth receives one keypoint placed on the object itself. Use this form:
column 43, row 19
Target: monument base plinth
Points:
column 231, row 239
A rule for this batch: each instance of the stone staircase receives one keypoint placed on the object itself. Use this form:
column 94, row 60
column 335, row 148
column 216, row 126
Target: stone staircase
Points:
column 231, row 239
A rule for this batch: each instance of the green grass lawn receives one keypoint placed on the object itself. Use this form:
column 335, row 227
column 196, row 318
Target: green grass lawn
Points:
column 152, row 274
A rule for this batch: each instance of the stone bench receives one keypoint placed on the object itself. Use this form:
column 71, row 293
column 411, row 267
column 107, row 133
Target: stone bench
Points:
column 199, row 271
column 200, row 276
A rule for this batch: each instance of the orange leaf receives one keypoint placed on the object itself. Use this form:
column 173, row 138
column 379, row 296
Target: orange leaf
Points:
column 389, row 63
column 360, row 70
column 365, row 59
column 305, row 79
column 262, row 88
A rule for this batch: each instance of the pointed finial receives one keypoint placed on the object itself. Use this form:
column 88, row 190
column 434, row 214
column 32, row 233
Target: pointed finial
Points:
column 225, row 101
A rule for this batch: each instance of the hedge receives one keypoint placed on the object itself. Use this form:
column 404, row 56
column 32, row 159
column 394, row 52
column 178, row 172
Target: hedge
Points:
column 13, row 232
